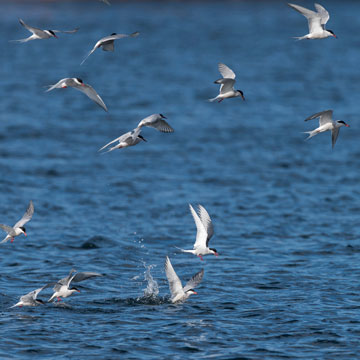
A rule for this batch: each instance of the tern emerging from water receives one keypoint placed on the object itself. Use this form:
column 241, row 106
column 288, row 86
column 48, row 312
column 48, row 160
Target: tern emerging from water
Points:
column 178, row 292
column 226, row 84
column 38, row 34
column 316, row 22
column 78, row 84
column 205, row 231
column 107, row 42
column 62, row 287
column 133, row 137
column 326, row 123
column 30, row 299
column 18, row 228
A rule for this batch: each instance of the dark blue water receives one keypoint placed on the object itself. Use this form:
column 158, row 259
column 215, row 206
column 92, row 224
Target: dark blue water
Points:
column 286, row 212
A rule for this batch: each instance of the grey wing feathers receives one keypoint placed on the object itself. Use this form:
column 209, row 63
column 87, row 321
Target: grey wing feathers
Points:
column 27, row 216
column 226, row 72
column 66, row 31
column 8, row 229
column 93, row 95
column 32, row 295
column 93, row 49
column 119, row 139
column 314, row 116
column 206, row 220
column 30, row 28
column 324, row 14
column 334, row 136
column 303, row 11
column 194, row 281
column 175, row 285
column 81, row 276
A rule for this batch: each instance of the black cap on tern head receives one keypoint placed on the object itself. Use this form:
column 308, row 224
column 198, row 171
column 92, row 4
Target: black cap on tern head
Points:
column 22, row 228
column 142, row 138
column 113, row 34
column 79, row 80
column 164, row 117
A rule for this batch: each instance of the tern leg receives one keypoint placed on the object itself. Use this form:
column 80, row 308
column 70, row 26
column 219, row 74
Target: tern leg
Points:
column 12, row 239
column 201, row 257
column 58, row 298
column 220, row 100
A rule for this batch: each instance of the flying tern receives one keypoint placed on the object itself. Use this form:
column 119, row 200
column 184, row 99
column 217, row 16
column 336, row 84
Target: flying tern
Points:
column 205, row 231
column 62, row 287
column 316, row 21
column 326, row 123
column 78, row 84
column 107, row 42
column 133, row 137
column 38, row 34
column 226, row 84
column 18, row 228
column 178, row 292
column 30, row 299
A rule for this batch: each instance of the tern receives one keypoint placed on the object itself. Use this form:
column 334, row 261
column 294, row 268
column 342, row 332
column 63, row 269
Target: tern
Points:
column 38, row 34
column 106, row 2
column 18, row 228
column 30, row 299
column 133, row 137
column 326, row 123
column 205, row 231
column 61, row 288
column 316, row 22
column 78, row 84
column 178, row 292
column 226, row 84
column 107, row 42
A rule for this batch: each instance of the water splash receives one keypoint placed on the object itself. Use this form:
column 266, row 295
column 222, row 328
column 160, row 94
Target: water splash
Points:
column 152, row 288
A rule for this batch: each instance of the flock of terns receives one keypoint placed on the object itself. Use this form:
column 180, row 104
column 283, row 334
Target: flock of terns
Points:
column 62, row 288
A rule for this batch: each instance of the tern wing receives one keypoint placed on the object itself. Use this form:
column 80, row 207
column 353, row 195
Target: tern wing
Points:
column 58, row 85
column 325, row 117
column 31, row 296
column 174, row 281
column 33, row 30
column 27, row 216
column 314, row 18
column 8, row 229
column 121, row 138
column 66, row 31
column 226, row 72
column 194, row 281
column 201, row 234
column 92, row 94
column 155, row 121
column 81, row 276
column 334, row 136
column 98, row 44
column 323, row 13
column 206, row 221
column 106, row 2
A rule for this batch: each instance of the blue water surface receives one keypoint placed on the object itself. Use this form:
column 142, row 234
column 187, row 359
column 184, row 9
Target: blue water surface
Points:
column 286, row 211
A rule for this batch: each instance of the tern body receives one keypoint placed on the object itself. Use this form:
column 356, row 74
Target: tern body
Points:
column 107, row 42
column 316, row 21
column 326, row 123
column 226, row 84
column 133, row 137
column 30, row 299
column 18, row 228
column 78, row 84
column 62, row 287
column 205, row 231
column 39, row 34
column 178, row 292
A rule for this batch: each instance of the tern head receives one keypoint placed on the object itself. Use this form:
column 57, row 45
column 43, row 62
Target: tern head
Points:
column 39, row 301
column 213, row 251
column 79, row 81
column 51, row 33
column 74, row 289
column 332, row 33
column 162, row 116
column 240, row 93
column 113, row 34
column 343, row 123
column 22, row 228
column 142, row 138
column 191, row 292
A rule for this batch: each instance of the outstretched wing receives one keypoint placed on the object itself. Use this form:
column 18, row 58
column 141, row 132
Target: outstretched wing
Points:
column 226, row 85
column 27, row 216
column 194, row 281
column 206, row 221
column 59, row 84
column 66, row 31
column 92, row 94
column 174, row 281
column 201, row 234
column 31, row 296
column 314, row 18
column 325, row 117
column 33, row 30
column 92, row 50
column 323, row 13
column 157, row 122
column 226, row 72
column 81, row 276
column 334, row 136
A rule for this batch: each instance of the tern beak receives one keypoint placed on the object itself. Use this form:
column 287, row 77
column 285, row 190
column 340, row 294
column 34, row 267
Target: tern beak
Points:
column 347, row 125
column 243, row 97
column 216, row 254
column 25, row 233
column 195, row 293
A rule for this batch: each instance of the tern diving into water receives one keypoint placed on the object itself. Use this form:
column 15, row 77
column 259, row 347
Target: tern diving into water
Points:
column 133, row 137
column 107, row 42
column 30, row 299
column 326, row 123
column 38, row 34
column 205, row 231
column 226, row 84
column 178, row 292
column 316, row 21
column 18, row 228
column 78, row 84
column 62, row 287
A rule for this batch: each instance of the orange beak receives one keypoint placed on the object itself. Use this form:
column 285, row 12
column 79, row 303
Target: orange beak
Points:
column 25, row 233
